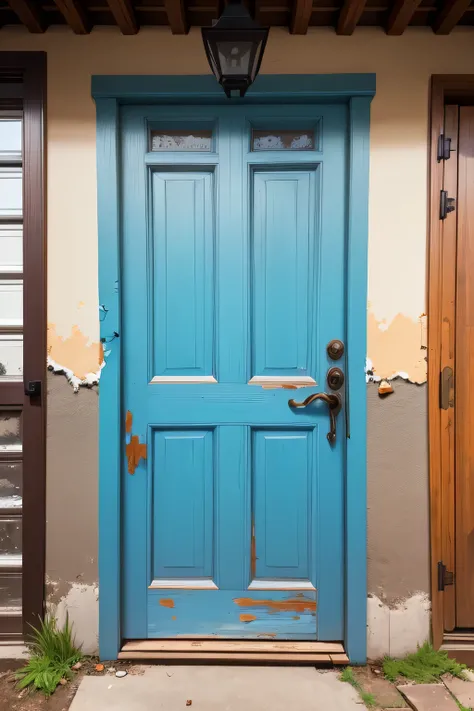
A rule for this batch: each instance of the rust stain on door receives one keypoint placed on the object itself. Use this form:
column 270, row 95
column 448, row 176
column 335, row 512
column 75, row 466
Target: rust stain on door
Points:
column 247, row 618
column 128, row 422
column 135, row 451
column 167, row 602
column 295, row 604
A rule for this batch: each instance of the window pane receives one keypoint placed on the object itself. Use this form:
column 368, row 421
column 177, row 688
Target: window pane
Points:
column 282, row 140
column 11, row 248
column 178, row 140
column 10, row 536
column 11, row 303
column 10, row 139
column 10, row 192
column 11, row 485
column 10, row 592
column 11, row 357
column 10, row 430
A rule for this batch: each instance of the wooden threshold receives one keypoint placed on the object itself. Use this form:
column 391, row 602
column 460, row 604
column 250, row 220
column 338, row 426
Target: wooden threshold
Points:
column 460, row 646
column 235, row 651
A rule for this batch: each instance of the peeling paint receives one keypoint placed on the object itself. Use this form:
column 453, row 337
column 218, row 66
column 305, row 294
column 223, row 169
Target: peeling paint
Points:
column 89, row 380
column 247, row 618
column 296, row 604
column 81, row 605
column 167, row 602
column 76, row 353
column 135, row 451
column 128, row 422
column 397, row 629
column 397, row 350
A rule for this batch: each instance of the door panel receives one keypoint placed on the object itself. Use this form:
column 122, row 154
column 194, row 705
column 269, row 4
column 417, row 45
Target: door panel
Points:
column 233, row 283
column 464, row 381
column 284, row 214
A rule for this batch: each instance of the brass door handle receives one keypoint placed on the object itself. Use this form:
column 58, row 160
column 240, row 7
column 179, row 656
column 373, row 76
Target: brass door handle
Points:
column 334, row 404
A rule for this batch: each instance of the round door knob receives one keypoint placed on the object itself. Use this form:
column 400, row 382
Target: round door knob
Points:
column 335, row 378
column 335, row 349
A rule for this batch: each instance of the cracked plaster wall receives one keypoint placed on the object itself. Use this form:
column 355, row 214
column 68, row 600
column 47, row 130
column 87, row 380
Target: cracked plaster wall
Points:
column 397, row 460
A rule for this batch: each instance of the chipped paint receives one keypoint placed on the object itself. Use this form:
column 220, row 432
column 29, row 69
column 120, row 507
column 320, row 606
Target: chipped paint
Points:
column 128, row 422
column 295, row 617
column 296, row 604
column 247, row 618
column 167, row 602
column 399, row 628
column 272, row 635
column 89, row 380
column 173, row 617
column 75, row 353
column 397, row 349
column 135, row 451
column 385, row 388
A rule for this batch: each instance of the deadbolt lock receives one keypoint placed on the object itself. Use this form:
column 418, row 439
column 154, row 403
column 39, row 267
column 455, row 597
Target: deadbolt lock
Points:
column 335, row 378
column 335, row 349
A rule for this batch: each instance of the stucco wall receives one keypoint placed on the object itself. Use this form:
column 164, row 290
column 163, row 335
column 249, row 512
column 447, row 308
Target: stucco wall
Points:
column 397, row 462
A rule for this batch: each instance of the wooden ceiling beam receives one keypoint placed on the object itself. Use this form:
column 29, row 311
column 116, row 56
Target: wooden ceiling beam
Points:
column 124, row 16
column 450, row 15
column 29, row 15
column 401, row 15
column 302, row 10
column 176, row 13
column 75, row 16
column 349, row 16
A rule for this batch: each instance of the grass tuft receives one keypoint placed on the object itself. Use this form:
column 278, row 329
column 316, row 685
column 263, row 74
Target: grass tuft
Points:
column 53, row 653
column 347, row 675
column 425, row 666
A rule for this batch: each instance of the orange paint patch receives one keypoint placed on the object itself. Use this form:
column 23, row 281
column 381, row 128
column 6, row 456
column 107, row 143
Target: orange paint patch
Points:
column 297, row 604
column 135, row 451
column 295, row 617
column 247, row 618
column 75, row 352
column 128, row 422
column 399, row 347
column 174, row 618
column 272, row 635
column 167, row 602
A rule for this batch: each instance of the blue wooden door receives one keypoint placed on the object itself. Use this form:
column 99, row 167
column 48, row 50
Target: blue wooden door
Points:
column 233, row 254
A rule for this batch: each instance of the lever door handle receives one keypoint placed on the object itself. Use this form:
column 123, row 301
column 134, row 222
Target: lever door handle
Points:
column 334, row 404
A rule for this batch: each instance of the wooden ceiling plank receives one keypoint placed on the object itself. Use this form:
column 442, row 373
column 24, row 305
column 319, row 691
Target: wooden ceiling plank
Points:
column 450, row 15
column 124, row 16
column 401, row 15
column 176, row 13
column 75, row 16
column 28, row 14
column 349, row 16
column 302, row 10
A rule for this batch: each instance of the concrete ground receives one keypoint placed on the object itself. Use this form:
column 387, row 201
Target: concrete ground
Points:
column 218, row 688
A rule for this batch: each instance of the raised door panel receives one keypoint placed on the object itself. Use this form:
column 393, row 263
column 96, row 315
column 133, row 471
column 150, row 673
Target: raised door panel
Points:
column 283, row 279
column 183, row 284
column 182, row 516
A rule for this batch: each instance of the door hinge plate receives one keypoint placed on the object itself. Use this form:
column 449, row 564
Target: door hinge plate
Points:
column 444, row 148
column 446, row 388
column 445, row 577
column 446, row 204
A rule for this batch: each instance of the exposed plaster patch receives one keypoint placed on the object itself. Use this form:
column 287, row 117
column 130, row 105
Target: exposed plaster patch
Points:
column 75, row 353
column 397, row 629
column 81, row 604
column 87, row 381
column 396, row 350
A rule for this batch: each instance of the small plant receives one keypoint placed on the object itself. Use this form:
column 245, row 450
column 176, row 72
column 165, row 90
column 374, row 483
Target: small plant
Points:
column 53, row 653
column 347, row 675
column 425, row 666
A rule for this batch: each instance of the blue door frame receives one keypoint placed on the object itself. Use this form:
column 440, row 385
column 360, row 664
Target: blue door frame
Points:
column 110, row 92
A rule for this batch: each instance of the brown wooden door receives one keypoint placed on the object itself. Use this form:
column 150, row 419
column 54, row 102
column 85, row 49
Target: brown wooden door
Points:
column 464, row 375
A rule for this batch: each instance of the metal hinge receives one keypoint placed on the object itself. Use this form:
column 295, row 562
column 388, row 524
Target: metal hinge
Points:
column 446, row 388
column 444, row 148
column 445, row 577
column 446, row 204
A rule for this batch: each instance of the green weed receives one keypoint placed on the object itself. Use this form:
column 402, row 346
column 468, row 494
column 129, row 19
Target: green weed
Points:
column 425, row 666
column 53, row 653
column 347, row 675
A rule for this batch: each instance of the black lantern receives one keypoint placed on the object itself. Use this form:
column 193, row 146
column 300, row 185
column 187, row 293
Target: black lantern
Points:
column 234, row 48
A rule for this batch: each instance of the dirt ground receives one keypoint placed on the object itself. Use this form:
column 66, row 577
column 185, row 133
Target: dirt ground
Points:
column 13, row 700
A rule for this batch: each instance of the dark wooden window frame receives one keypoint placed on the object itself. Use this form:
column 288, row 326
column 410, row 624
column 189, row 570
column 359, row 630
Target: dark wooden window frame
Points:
column 445, row 89
column 27, row 89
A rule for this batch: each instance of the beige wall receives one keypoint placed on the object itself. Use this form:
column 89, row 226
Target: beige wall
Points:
column 398, row 195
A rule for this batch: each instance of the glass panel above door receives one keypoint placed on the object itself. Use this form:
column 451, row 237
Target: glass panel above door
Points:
column 282, row 140
column 198, row 140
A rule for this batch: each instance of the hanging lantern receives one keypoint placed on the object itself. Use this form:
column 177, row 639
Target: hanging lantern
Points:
column 234, row 48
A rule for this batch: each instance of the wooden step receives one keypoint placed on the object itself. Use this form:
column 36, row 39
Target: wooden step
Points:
column 235, row 651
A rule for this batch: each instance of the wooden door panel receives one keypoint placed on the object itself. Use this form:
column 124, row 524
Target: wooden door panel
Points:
column 465, row 375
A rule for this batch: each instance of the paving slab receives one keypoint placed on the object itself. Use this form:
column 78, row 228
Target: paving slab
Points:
column 462, row 690
column 428, row 697
column 218, row 688
column 384, row 692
